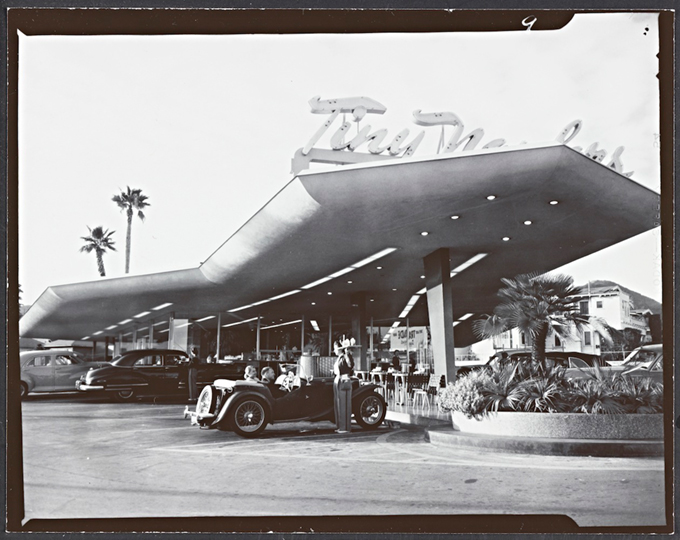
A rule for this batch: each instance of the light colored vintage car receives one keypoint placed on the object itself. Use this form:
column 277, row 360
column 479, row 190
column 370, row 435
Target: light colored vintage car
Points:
column 645, row 361
column 55, row 370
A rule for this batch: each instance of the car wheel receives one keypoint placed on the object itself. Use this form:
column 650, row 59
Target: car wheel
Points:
column 24, row 390
column 207, row 400
column 124, row 395
column 370, row 411
column 248, row 418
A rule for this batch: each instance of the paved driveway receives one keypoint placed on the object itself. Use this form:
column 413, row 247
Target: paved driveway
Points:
column 89, row 459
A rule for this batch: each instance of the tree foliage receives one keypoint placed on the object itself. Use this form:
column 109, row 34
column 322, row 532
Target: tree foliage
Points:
column 129, row 201
column 99, row 241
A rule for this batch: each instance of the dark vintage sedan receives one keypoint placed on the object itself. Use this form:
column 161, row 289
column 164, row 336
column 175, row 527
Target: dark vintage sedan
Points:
column 246, row 407
column 151, row 372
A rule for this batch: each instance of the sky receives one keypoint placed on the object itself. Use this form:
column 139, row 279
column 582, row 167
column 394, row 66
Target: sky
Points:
column 206, row 126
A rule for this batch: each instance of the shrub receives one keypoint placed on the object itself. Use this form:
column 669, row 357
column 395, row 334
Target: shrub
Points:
column 462, row 396
column 521, row 386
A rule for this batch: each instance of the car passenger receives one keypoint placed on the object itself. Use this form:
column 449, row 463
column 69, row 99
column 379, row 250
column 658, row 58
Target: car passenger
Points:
column 268, row 375
column 250, row 374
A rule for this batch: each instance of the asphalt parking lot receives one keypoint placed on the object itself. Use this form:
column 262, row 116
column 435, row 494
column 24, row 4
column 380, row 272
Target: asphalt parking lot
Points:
column 91, row 458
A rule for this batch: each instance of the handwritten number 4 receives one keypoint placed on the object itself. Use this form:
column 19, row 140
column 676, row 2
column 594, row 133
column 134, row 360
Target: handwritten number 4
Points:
column 529, row 21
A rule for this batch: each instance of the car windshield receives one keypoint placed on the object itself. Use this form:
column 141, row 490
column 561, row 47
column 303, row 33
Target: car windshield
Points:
column 640, row 357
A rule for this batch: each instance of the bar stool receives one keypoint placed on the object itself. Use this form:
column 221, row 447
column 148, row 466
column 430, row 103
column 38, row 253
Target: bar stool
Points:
column 362, row 375
column 378, row 377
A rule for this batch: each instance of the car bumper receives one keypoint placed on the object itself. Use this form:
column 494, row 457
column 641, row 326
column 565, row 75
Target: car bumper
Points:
column 80, row 385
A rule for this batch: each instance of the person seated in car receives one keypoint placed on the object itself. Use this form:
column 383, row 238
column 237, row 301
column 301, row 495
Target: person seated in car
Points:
column 251, row 374
column 268, row 375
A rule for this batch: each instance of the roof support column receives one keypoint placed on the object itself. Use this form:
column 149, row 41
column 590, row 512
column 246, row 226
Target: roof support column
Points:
column 302, row 336
column 330, row 335
column 257, row 338
column 219, row 330
column 358, row 312
column 440, row 311
column 151, row 346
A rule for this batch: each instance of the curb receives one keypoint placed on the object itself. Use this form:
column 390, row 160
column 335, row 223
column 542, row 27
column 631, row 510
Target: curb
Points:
column 546, row 446
column 416, row 419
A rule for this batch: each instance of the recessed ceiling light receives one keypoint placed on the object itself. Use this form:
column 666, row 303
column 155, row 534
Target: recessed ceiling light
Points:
column 313, row 303
column 527, row 222
column 329, row 292
column 554, row 202
column 372, row 299
column 394, row 289
column 379, row 267
column 491, row 197
column 424, row 233
column 455, row 217
column 506, row 238
column 349, row 281
column 422, row 277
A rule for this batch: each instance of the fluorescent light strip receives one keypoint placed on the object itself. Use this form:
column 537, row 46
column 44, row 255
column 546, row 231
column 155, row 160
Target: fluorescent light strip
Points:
column 315, row 325
column 84, row 338
column 97, row 333
column 142, row 314
column 342, row 272
column 183, row 325
column 239, row 322
column 465, row 317
column 125, row 321
column 395, row 324
column 468, row 263
column 422, row 291
column 163, row 331
column 159, row 323
column 281, row 324
column 350, row 268
column 144, row 328
column 206, row 318
column 162, row 306
column 455, row 323
column 375, row 257
column 317, row 282
column 128, row 334
column 285, row 294
column 111, row 327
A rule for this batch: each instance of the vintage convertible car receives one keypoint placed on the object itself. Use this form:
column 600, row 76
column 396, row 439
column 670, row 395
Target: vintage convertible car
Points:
column 247, row 407
column 151, row 372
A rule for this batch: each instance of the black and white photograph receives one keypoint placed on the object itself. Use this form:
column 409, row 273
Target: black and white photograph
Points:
column 274, row 276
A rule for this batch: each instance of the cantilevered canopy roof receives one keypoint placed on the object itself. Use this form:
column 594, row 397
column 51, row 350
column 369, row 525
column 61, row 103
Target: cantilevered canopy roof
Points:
column 500, row 212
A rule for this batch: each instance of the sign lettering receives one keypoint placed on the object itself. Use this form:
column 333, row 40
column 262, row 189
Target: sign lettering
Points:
column 342, row 149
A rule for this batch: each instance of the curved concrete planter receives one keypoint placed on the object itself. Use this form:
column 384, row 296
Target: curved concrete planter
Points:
column 564, row 425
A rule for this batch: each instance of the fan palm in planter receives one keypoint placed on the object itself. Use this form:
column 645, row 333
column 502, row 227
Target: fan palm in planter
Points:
column 537, row 304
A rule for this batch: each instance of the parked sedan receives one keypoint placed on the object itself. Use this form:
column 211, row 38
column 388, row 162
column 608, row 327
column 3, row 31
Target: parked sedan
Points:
column 247, row 407
column 55, row 370
column 151, row 372
column 645, row 361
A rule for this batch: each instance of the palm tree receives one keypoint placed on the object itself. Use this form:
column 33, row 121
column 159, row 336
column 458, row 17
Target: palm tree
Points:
column 98, row 241
column 130, row 200
column 537, row 304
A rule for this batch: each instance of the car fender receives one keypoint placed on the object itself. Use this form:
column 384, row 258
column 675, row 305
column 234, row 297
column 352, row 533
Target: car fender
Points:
column 235, row 397
column 29, row 382
column 363, row 390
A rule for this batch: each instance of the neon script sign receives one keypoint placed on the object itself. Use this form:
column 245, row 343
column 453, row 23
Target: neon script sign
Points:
column 342, row 148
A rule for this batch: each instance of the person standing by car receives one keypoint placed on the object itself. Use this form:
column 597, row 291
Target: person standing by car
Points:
column 342, row 385
column 192, row 375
